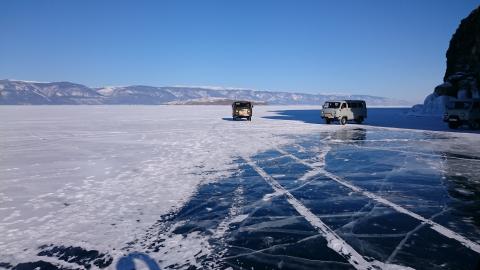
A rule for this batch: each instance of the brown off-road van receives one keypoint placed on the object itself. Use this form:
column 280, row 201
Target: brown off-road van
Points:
column 242, row 109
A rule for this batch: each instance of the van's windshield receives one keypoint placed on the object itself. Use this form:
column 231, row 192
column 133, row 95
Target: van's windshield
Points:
column 331, row 105
column 242, row 104
column 459, row 105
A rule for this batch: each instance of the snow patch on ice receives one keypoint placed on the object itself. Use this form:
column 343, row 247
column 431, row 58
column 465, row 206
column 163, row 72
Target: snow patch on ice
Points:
column 184, row 249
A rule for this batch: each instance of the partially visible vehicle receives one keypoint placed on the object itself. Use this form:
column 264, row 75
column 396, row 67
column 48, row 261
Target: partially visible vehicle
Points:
column 242, row 109
column 344, row 110
column 463, row 112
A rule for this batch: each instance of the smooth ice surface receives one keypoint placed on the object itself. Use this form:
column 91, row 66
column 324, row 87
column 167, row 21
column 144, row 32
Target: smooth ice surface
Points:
column 184, row 186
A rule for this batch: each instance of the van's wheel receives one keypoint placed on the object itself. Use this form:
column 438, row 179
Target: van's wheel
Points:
column 453, row 125
column 328, row 120
column 234, row 118
column 249, row 118
column 343, row 121
column 474, row 124
column 359, row 120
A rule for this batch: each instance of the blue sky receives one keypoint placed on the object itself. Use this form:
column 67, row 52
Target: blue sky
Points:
column 378, row 47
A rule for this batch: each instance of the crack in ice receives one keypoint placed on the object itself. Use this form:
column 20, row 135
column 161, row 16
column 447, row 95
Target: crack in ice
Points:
column 334, row 241
column 410, row 233
column 433, row 225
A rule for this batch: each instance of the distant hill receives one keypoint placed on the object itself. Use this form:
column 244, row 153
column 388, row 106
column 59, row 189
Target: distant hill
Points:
column 209, row 101
column 58, row 93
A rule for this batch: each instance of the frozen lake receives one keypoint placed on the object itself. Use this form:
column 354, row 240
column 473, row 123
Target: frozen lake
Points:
column 184, row 187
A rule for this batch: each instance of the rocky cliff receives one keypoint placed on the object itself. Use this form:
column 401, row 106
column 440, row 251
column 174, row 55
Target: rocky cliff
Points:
column 462, row 77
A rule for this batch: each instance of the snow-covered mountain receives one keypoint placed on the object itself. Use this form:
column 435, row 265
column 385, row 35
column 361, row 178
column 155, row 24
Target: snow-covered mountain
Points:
column 24, row 92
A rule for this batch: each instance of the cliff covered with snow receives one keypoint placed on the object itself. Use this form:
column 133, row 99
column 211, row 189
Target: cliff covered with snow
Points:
column 462, row 77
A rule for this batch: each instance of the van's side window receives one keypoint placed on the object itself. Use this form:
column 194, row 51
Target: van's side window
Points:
column 352, row 105
column 360, row 105
column 476, row 105
column 344, row 105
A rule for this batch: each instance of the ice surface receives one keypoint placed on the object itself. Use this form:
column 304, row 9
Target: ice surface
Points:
column 85, row 186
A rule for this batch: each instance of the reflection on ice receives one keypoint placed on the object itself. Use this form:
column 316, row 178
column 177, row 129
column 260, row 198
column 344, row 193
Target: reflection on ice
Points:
column 347, row 135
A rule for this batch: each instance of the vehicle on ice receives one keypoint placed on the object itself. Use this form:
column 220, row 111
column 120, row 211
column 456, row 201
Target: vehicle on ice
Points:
column 463, row 112
column 242, row 109
column 344, row 110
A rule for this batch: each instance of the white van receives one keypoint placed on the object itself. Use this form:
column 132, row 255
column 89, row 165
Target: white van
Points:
column 344, row 110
